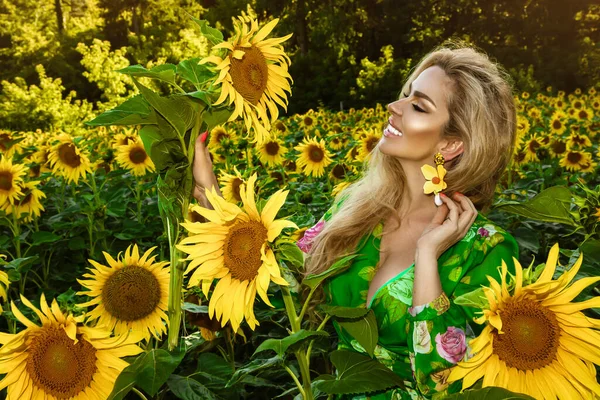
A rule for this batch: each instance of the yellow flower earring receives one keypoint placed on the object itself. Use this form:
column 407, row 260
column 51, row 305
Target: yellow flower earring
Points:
column 435, row 178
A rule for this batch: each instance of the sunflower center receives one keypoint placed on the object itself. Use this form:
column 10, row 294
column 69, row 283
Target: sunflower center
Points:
column 242, row 249
column 315, row 153
column 235, row 188
column 557, row 124
column 339, row 172
column 574, row 157
column 57, row 365
column 4, row 142
column 6, row 180
column 68, row 155
column 559, row 147
column 371, row 143
column 25, row 200
column 272, row 148
column 131, row 293
column 531, row 335
column 137, row 155
column 250, row 74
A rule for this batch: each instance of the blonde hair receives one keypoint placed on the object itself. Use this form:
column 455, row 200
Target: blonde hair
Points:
column 482, row 115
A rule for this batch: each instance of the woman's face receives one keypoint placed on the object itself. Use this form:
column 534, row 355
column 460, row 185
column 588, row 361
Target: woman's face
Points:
column 419, row 117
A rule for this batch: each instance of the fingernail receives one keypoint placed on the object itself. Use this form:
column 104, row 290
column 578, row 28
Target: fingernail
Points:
column 443, row 195
column 204, row 136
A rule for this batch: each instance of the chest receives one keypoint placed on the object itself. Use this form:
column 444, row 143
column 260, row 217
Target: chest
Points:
column 397, row 252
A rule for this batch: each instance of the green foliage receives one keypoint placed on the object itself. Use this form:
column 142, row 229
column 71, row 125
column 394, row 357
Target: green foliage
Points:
column 357, row 373
column 42, row 106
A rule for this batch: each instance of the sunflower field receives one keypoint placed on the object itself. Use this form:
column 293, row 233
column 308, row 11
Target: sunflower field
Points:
column 116, row 283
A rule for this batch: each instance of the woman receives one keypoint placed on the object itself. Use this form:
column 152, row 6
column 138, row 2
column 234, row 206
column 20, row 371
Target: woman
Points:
column 415, row 256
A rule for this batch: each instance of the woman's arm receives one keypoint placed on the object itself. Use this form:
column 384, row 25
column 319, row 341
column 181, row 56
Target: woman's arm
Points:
column 204, row 176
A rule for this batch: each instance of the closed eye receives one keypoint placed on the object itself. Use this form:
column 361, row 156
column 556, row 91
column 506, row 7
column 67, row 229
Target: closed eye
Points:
column 416, row 107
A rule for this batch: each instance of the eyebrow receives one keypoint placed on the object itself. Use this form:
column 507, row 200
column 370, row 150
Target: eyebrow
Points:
column 421, row 95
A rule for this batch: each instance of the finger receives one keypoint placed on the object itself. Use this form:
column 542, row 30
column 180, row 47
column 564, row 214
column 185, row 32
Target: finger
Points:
column 453, row 209
column 468, row 216
column 440, row 214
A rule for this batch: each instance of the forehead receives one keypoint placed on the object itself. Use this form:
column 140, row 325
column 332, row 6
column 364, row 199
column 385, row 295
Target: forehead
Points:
column 434, row 82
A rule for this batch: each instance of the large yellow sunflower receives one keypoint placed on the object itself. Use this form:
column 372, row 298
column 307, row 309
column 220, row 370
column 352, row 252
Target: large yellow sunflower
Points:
column 11, row 175
column 133, row 157
column 61, row 359
column 314, row 157
column 253, row 75
column 234, row 247
column 68, row 160
column 535, row 340
column 28, row 203
column 131, row 293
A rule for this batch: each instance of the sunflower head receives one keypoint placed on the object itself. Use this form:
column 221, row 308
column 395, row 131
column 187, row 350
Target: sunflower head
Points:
column 68, row 160
column 234, row 246
column 314, row 157
column 11, row 176
column 133, row 157
column 61, row 359
column 253, row 73
column 535, row 336
column 131, row 293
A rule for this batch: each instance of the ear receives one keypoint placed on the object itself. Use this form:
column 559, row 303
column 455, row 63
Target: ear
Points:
column 451, row 148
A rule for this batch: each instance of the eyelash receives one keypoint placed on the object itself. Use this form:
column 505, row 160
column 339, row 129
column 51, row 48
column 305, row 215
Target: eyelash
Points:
column 417, row 108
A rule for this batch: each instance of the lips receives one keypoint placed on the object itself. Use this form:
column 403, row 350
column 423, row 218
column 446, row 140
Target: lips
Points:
column 393, row 126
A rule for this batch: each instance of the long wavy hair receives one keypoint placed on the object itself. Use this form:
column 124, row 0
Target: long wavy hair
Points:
column 482, row 115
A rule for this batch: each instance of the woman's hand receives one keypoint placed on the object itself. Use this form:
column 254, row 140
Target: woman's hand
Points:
column 449, row 225
column 204, row 176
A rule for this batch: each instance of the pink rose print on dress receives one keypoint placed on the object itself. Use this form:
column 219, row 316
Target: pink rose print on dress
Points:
column 452, row 345
column 306, row 242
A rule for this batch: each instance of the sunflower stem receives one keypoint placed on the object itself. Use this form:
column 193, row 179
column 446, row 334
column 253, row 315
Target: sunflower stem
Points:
column 175, row 283
column 296, row 381
column 139, row 393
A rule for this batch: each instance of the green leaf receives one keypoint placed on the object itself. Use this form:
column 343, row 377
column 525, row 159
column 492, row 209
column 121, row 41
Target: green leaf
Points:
column 213, row 371
column 292, row 253
column 22, row 264
column 187, row 388
column 313, row 281
column 149, row 372
column 280, row 346
column 344, row 312
column 357, row 373
column 475, row 298
column 163, row 72
column 176, row 110
column 195, row 308
column 133, row 111
column 195, row 73
column 149, row 134
column 216, row 116
column 364, row 330
column 42, row 237
column 489, row 393
column 251, row 367
column 213, row 35
column 550, row 205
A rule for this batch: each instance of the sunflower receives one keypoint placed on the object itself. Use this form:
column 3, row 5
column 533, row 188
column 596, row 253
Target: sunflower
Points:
column 133, row 157
column 61, row 359
column 130, row 293
column 68, row 160
column 9, row 143
column 535, row 340
column 531, row 147
column 340, row 187
column 557, row 147
column 584, row 114
column 253, row 74
column 314, row 157
column 271, row 151
column 234, row 247
column 28, row 203
column 574, row 159
column 230, row 185
column 577, row 139
column 368, row 143
column 10, row 177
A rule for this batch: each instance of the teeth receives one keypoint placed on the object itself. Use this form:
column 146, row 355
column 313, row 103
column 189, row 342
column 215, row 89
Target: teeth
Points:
column 394, row 130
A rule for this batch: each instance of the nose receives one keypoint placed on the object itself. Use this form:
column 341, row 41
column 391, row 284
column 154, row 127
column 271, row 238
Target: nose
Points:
column 395, row 108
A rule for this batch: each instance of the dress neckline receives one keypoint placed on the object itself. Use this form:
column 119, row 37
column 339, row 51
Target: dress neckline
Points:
column 394, row 278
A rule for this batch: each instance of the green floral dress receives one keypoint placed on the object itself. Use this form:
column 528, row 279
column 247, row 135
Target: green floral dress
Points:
column 419, row 343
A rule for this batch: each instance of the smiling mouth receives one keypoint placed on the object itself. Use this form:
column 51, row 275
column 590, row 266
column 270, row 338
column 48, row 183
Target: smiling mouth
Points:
column 391, row 129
